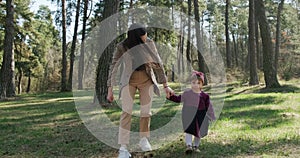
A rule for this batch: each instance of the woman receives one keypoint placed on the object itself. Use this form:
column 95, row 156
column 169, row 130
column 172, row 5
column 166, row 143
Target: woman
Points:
column 142, row 71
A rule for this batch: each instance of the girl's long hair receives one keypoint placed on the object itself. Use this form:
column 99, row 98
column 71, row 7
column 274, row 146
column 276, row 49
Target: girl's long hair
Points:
column 134, row 34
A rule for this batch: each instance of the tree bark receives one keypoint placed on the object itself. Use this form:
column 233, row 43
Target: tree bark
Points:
column 20, row 81
column 73, row 47
column 179, row 47
column 181, row 51
column 235, row 50
column 201, row 62
column 188, row 45
column 278, row 31
column 252, row 46
column 82, row 47
column 28, row 83
column 270, row 74
column 228, row 50
column 173, row 73
column 258, row 52
column 64, row 48
column 110, row 7
column 7, row 85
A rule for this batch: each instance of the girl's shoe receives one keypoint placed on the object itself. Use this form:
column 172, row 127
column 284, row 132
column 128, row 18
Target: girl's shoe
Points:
column 123, row 153
column 196, row 149
column 188, row 149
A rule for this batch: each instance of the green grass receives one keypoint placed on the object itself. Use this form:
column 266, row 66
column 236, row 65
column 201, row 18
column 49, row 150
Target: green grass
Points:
column 45, row 125
column 254, row 122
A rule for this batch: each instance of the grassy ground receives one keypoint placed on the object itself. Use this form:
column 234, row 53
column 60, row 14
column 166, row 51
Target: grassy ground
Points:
column 255, row 122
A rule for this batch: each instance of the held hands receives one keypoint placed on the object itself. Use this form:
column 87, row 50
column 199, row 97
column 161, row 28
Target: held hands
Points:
column 110, row 97
column 169, row 92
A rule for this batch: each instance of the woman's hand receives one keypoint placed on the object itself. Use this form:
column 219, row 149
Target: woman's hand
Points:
column 110, row 95
column 169, row 91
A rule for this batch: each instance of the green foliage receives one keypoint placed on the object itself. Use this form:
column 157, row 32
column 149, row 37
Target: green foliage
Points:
column 35, row 37
column 70, row 10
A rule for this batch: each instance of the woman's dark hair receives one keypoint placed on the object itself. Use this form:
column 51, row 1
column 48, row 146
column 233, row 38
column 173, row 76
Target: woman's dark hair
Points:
column 134, row 34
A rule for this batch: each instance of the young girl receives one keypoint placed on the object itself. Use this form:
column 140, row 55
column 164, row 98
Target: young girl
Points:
column 195, row 105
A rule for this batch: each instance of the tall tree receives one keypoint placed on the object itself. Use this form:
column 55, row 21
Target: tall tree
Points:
column 7, row 87
column 252, row 46
column 270, row 74
column 188, row 46
column 278, row 32
column 64, row 48
column 258, row 48
column 82, row 47
column 73, row 47
column 22, row 34
column 110, row 7
column 45, row 46
column 201, row 62
column 228, row 51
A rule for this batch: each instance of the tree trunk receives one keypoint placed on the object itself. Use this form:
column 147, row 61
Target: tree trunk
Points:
column 242, row 47
column 228, row 51
column 201, row 62
column 73, row 47
column 173, row 73
column 45, row 82
column 130, row 7
column 179, row 55
column 110, row 8
column 64, row 48
column 180, row 46
column 278, row 31
column 258, row 52
column 20, row 81
column 188, row 45
column 82, row 47
column 28, row 83
column 252, row 47
column 270, row 74
column 181, row 51
column 235, row 51
column 7, row 85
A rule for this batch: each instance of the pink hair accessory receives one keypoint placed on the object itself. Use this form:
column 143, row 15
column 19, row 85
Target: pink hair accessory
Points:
column 198, row 74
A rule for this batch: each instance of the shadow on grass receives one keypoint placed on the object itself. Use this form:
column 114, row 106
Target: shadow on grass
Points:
column 282, row 89
column 48, row 129
column 244, row 147
column 244, row 90
column 254, row 118
column 164, row 115
column 241, row 147
column 251, row 101
column 258, row 118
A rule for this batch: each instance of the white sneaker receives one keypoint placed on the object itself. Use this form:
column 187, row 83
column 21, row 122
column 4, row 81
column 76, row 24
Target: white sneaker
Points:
column 123, row 153
column 144, row 144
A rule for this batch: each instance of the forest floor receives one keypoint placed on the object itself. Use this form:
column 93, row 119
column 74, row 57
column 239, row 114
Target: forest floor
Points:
column 254, row 122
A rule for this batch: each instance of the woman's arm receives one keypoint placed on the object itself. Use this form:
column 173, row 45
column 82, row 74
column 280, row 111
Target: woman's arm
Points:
column 112, row 71
column 159, row 70
column 157, row 64
column 114, row 64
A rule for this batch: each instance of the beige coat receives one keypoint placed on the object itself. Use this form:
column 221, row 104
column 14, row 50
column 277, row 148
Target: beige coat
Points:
column 123, row 58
